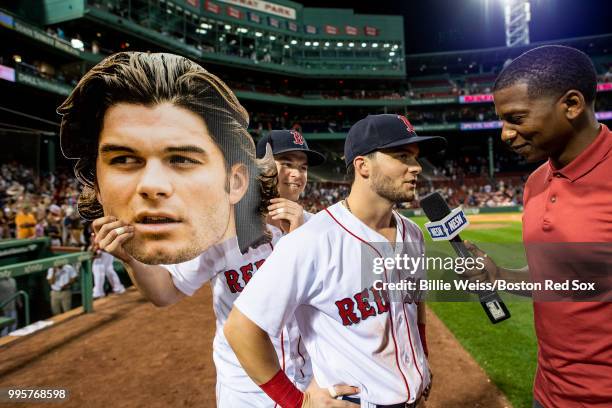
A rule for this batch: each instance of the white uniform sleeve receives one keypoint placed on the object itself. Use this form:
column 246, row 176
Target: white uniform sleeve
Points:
column 284, row 281
column 71, row 271
column 190, row 276
column 49, row 273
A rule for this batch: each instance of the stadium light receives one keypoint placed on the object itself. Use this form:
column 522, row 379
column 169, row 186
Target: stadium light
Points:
column 307, row 43
column 351, row 44
column 315, row 44
column 293, row 42
column 287, row 46
column 517, row 15
column 228, row 27
column 340, row 44
column 375, row 45
column 391, row 54
column 363, row 45
column 258, row 34
column 272, row 38
column 387, row 45
column 395, row 47
column 17, row 58
column 327, row 43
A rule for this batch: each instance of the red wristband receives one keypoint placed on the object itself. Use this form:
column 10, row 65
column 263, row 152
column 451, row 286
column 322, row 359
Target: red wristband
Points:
column 423, row 338
column 282, row 391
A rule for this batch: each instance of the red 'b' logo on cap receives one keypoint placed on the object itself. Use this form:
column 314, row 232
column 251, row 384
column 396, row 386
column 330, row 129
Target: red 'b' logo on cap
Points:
column 297, row 138
column 407, row 123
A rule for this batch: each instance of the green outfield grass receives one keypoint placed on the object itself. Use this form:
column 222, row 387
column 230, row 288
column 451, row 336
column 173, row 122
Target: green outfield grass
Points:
column 508, row 350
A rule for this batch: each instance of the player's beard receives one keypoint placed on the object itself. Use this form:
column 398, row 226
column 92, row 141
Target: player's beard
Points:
column 206, row 230
column 137, row 249
column 390, row 189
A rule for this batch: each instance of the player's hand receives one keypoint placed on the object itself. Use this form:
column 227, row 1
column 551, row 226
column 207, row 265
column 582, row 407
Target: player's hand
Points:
column 289, row 213
column 111, row 234
column 317, row 397
column 489, row 273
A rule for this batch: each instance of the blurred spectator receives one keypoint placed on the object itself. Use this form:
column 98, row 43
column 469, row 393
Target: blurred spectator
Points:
column 103, row 267
column 8, row 287
column 26, row 222
column 60, row 280
column 53, row 225
column 5, row 231
column 73, row 229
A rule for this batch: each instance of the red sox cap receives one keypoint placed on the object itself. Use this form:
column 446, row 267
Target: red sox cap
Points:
column 384, row 131
column 283, row 141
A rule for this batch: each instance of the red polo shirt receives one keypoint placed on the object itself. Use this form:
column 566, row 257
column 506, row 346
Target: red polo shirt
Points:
column 572, row 204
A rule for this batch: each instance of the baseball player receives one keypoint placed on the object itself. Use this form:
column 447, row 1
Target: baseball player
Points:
column 292, row 157
column 229, row 271
column 102, row 267
column 355, row 332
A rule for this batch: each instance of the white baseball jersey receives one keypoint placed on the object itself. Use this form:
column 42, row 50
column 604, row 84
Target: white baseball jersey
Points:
column 354, row 333
column 229, row 271
column 62, row 276
column 101, row 267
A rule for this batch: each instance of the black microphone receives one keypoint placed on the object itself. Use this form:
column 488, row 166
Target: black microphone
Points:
column 436, row 208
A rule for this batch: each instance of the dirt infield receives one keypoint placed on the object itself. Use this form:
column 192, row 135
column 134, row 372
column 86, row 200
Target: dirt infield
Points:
column 131, row 354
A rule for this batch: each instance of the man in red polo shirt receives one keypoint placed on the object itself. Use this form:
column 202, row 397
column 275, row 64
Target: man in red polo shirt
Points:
column 546, row 99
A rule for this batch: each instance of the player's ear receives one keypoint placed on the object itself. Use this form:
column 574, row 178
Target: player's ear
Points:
column 573, row 104
column 362, row 166
column 238, row 182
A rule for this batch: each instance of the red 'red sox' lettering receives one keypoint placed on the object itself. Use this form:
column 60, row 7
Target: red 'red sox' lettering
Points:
column 353, row 311
column 246, row 273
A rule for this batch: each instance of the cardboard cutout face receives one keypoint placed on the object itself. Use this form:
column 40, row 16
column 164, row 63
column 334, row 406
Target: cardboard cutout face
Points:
column 159, row 170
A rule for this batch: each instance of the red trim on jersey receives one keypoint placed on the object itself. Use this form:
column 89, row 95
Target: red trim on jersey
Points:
column 405, row 318
column 403, row 228
column 390, row 309
column 283, row 346
column 282, row 349
column 300, row 354
column 416, row 364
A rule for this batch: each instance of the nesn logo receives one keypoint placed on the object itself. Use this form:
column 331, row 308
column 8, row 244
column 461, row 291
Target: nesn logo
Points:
column 437, row 231
column 455, row 223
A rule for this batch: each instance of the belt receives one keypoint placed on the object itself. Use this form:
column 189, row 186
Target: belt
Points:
column 400, row 405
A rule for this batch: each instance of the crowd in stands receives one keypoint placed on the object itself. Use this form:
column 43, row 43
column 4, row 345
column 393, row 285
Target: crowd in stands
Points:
column 46, row 207
column 445, row 86
column 476, row 192
column 341, row 120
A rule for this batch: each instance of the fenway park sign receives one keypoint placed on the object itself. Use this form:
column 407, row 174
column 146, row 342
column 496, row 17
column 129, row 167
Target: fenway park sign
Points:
column 264, row 6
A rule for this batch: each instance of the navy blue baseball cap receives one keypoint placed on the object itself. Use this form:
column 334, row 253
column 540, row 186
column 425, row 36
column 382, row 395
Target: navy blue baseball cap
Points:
column 283, row 141
column 376, row 132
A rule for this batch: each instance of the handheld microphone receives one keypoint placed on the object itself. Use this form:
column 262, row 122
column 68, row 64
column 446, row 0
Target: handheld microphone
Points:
column 446, row 225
